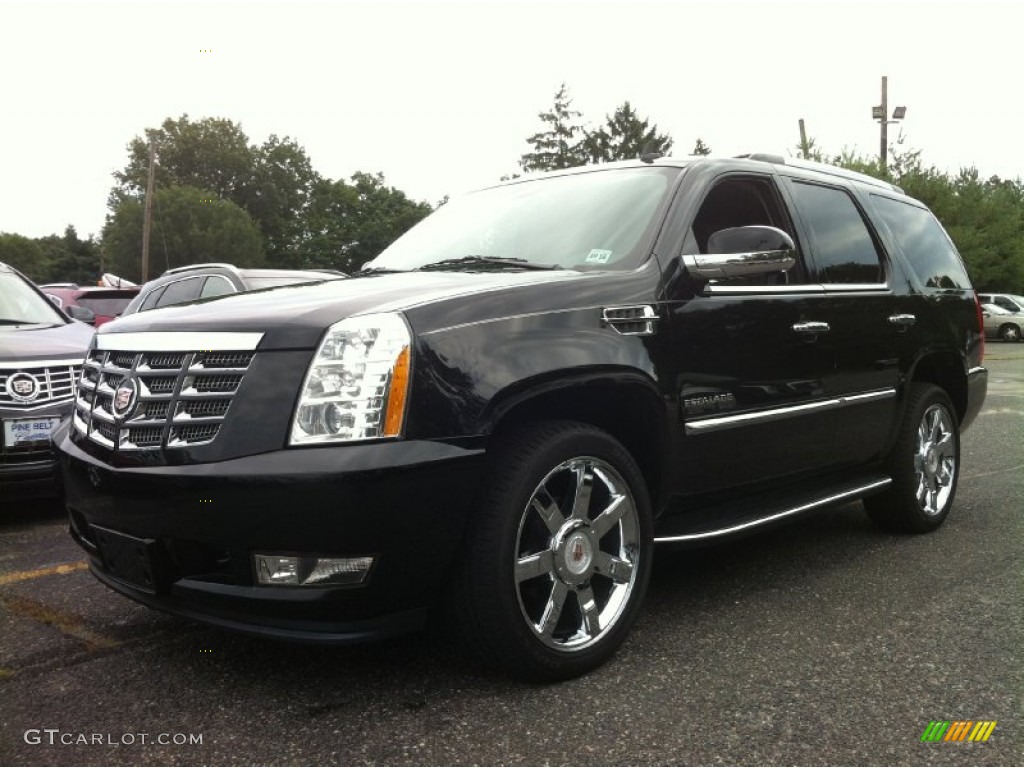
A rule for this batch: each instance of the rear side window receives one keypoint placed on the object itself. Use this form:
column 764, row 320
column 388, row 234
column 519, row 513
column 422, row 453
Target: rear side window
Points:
column 216, row 285
column 150, row 301
column 929, row 251
column 1012, row 303
column 844, row 248
column 182, row 290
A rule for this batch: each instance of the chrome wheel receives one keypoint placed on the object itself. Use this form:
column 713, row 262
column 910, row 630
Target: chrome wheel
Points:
column 1009, row 333
column 577, row 554
column 935, row 459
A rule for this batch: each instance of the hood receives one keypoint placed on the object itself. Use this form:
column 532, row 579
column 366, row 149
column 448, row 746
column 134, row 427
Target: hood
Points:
column 295, row 316
column 30, row 343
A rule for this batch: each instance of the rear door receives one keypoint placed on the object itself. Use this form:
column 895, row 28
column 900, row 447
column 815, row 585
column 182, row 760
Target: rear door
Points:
column 871, row 327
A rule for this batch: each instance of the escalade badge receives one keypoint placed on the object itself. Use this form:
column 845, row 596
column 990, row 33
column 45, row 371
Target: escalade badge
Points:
column 124, row 398
column 23, row 387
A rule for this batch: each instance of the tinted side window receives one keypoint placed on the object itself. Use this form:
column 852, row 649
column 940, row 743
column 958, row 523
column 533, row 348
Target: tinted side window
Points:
column 928, row 249
column 150, row 301
column 183, row 290
column 740, row 202
column 844, row 247
column 1007, row 303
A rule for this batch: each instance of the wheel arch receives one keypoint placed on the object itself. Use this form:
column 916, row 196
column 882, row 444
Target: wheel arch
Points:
column 946, row 370
column 626, row 404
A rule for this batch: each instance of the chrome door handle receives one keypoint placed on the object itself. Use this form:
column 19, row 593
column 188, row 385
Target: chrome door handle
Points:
column 903, row 321
column 812, row 327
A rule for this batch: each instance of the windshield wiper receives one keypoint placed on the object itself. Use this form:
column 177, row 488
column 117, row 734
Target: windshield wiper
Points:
column 8, row 321
column 497, row 261
column 377, row 271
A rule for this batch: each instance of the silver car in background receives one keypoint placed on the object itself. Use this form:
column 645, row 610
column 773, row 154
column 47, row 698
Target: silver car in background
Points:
column 1001, row 323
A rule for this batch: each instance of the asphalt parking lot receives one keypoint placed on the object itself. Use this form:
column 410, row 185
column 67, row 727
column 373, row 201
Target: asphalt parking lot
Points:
column 826, row 642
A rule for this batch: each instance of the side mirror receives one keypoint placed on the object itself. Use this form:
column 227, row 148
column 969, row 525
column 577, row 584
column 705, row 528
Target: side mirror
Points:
column 82, row 314
column 742, row 252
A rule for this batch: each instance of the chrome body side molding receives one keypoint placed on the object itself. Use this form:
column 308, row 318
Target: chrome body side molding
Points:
column 705, row 426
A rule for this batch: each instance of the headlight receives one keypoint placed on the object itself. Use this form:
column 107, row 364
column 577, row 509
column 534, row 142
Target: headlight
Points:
column 357, row 384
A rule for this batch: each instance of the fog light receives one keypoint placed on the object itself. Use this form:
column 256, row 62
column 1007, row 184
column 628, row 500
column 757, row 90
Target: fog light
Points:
column 300, row 571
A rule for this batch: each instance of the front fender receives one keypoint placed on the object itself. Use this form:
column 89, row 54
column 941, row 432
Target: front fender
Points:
column 467, row 377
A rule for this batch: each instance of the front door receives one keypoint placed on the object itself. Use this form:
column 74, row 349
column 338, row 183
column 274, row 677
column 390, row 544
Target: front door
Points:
column 749, row 363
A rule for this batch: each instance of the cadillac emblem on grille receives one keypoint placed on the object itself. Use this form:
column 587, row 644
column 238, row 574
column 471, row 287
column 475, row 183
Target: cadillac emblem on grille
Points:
column 23, row 387
column 124, row 398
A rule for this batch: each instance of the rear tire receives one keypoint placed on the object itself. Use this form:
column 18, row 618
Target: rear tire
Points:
column 559, row 557
column 1009, row 332
column 924, row 463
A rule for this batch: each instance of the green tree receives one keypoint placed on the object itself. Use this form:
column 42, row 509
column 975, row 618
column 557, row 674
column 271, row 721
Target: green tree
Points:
column 272, row 182
column 211, row 154
column 279, row 195
column 558, row 145
column 700, row 148
column 349, row 224
column 190, row 226
column 71, row 259
column 25, row 255
column 624, row 136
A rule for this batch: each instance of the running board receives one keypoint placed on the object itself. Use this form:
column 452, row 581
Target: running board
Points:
column 717, row 523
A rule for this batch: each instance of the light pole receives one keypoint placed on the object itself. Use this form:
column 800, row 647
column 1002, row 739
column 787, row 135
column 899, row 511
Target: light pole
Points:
column 879, row 113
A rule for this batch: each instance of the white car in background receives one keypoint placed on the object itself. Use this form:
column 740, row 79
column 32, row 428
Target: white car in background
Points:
column 1011, row 302
column 1002, row 323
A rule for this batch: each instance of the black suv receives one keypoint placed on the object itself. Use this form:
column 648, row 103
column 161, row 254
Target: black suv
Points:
column 201, row 281
column 514, row 404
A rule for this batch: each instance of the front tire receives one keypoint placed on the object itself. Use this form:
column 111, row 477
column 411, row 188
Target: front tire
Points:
column 924, row 463
column 559, row 557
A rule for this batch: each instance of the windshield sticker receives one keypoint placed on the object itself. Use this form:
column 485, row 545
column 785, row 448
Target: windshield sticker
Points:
column 598, row 256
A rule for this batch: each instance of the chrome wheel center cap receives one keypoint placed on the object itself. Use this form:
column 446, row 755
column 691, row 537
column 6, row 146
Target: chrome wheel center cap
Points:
column 931, row 461
column 578, row 552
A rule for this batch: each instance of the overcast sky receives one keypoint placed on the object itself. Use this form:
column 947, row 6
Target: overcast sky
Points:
column 440, row 96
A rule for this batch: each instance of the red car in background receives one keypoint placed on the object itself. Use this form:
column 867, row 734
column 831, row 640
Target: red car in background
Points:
column 90, row 304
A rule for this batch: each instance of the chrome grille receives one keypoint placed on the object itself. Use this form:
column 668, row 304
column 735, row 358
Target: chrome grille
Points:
column 54, row 383
column 225, row 359
column 159, row 361
column 181, row 398
column 189, row 409
column 216, row 383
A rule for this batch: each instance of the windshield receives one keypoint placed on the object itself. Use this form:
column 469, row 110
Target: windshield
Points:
column 594, row 220
column 21, row 305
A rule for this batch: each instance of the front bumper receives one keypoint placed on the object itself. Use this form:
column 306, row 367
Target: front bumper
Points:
column 197, row 527
column 29, row 476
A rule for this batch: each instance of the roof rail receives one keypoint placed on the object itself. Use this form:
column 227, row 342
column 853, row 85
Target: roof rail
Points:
column 764, row 157
column 832, row 170
column 176, row 270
